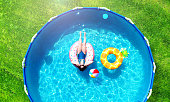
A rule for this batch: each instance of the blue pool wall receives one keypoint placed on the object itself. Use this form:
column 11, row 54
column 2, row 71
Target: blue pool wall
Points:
column 24, row 64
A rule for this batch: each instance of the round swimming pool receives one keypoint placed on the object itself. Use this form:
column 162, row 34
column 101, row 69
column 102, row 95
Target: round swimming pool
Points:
column 49, row 76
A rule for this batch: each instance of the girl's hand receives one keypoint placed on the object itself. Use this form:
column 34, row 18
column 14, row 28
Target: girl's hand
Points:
column 88, row 63
column 74, row 62
column 78, row 65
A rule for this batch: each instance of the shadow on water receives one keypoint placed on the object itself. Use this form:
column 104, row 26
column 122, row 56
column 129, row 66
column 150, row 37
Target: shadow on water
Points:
column 37, row 56
column 113, row 74
column 48, row 59
column 85, row 74
column 98, row 81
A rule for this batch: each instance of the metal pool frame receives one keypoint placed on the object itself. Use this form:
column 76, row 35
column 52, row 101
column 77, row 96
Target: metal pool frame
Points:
column 24, row 64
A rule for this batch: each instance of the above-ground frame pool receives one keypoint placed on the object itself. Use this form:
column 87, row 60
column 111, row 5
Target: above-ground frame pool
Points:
column 49, row 76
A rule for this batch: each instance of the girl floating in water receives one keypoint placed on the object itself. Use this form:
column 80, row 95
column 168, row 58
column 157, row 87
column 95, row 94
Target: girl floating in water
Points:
column 81, row 51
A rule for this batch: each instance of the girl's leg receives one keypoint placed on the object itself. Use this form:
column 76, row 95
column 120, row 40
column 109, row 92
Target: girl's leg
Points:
column 84, row 44
column 80, row 44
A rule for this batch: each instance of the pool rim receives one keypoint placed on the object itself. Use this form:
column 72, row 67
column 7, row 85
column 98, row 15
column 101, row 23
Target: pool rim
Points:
column 148, row 94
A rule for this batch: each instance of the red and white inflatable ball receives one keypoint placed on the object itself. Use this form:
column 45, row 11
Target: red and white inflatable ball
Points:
column 94, row 73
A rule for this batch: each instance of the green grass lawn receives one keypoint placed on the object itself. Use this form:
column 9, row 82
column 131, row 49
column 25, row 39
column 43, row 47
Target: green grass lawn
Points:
column 21, row 19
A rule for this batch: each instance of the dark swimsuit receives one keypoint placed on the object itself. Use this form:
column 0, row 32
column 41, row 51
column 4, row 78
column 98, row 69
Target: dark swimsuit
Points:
column 81, row 56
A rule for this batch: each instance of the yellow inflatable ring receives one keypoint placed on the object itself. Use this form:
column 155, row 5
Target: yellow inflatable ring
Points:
column 117, row 53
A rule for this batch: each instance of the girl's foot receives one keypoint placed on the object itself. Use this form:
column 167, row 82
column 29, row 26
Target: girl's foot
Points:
column 80, row 34
column 84, row 34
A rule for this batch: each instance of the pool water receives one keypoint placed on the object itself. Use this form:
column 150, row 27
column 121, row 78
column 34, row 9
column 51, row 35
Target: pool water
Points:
column 59, row 80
